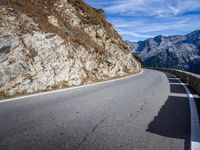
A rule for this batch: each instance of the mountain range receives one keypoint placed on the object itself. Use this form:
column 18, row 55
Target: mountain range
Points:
column 178, row 51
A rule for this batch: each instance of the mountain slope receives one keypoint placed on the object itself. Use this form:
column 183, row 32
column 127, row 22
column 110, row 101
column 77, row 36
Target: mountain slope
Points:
column 57, row 43
column 179, row 51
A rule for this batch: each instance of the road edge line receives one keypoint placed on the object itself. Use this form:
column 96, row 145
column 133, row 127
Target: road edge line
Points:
column 70, row 88
column 194, row 120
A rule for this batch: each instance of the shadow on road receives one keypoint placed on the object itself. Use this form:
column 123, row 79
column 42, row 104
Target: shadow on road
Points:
column 177, row 89
column 173, row 119
column 173, row 80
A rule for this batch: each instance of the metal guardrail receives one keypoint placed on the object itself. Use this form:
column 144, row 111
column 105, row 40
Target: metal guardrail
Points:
column 193, row 80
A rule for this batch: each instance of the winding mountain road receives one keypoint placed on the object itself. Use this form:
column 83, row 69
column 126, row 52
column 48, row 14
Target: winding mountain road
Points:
column 149, row 111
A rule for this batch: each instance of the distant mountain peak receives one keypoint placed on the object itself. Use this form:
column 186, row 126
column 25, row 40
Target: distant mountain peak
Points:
column 194, row 32
column 177, row 51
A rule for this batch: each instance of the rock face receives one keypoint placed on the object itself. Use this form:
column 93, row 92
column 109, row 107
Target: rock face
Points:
column 178, row 52
column 57, row 43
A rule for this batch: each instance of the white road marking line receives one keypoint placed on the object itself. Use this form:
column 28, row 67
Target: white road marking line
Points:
column 177, row 83
column 66, row 89
column 183, row 95
column 174, row 78
column 195, row 123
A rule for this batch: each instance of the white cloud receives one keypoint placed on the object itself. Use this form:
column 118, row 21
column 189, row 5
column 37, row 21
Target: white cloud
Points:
column 151, row 26
column 159, row 8
column 155, row 27
column 134, row 34
column 144, row 28
column 141, row 19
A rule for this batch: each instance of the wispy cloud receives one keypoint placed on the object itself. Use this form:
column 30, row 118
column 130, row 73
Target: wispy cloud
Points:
column 134, row 34
column 159, row 8
column 140, row 19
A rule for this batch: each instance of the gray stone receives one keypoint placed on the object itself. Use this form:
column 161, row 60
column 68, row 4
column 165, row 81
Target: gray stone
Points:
column 33, row 60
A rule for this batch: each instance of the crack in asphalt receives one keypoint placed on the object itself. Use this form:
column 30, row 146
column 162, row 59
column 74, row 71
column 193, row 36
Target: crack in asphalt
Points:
column 140, row 108
column 90, row 132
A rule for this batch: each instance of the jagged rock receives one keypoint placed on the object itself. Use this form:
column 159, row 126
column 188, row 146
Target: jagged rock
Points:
column 53, row 44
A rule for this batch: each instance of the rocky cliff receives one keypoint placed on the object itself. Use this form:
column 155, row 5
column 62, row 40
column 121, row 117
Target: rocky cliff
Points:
column 47, row 44
column 179, row 51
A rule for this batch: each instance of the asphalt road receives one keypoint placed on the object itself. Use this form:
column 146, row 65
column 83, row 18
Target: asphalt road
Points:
column 144, row 112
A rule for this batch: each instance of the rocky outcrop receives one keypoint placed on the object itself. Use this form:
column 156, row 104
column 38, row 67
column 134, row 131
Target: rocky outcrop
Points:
column 178, row 52
column 57, row 43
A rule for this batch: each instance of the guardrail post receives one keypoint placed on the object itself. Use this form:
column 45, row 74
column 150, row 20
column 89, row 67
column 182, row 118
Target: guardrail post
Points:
column 188, row 80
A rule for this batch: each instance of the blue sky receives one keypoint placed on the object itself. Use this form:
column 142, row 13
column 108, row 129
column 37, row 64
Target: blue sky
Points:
column 140, row 19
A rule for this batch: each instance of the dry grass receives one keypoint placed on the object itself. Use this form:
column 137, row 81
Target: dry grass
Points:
column 5, row 95
column 61, row 84
column 40, row 9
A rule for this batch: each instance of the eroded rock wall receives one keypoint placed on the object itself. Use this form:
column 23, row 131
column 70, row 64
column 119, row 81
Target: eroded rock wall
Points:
column 60, row 48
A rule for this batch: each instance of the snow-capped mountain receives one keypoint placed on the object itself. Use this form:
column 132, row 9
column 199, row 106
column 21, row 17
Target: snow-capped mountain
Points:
column 179, row 51
column 132, row 45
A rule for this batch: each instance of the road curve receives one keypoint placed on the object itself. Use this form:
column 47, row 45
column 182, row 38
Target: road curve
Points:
column 145, row 112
